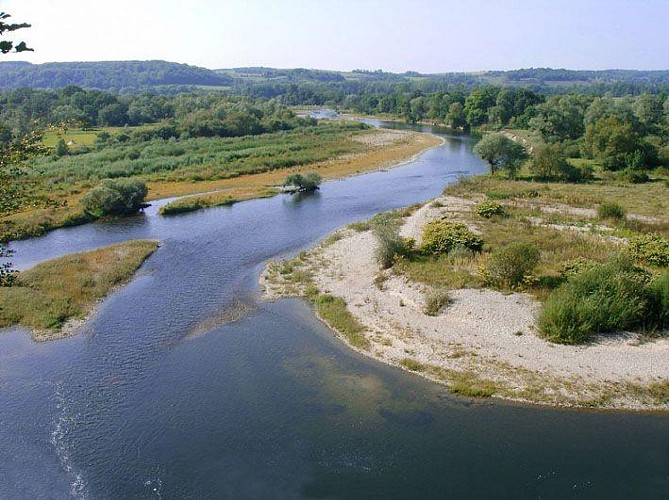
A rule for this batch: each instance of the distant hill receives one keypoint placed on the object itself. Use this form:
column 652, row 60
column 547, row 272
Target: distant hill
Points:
column 269, row 81
column 106, row 75
column 133, row 76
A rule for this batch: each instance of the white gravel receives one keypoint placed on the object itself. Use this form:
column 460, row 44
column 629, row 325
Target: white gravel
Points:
column 485, row 331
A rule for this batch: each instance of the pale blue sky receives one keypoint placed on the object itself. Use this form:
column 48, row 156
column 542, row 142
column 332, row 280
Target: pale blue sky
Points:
column 393, row 35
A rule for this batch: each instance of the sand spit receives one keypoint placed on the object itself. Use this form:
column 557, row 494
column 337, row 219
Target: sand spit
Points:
column 484, row 342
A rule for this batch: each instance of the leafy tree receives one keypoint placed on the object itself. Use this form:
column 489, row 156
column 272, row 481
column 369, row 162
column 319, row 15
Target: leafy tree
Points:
column 478, row 103
column 560, row 118
column 614, row 142
column 550, row 162
column 456, row 118
column 6, row 45
column 7, row 273
column 115, row 197
column 61, row 148
column 501, row 153
column 303, row 183
column 12, row 153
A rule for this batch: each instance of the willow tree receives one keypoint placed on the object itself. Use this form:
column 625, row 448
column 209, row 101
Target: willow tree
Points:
column 501, row 153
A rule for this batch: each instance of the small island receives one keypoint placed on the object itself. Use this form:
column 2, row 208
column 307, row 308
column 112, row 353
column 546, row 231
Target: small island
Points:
column 52, row 297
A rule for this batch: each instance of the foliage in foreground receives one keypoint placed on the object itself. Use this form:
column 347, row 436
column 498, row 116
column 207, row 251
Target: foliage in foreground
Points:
column 611, row 297
column 650, row 249
column 50, row 293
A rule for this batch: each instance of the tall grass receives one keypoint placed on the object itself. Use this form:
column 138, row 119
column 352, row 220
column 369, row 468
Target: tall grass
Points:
column 609, row 298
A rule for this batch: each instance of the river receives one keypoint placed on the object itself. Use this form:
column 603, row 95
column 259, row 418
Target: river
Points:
column 161, row 397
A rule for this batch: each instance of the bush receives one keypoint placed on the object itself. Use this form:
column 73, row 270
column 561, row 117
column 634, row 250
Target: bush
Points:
column 435, row 300
column 659, row 288
column 440, row 237
column 390, row 245
column 651, row 249
column 610, row 210
column 509, row 265
column 303, row 183
column 610, row 297
column 488, row 209
column 115, row 197
column 576, row 266
column 635, row 176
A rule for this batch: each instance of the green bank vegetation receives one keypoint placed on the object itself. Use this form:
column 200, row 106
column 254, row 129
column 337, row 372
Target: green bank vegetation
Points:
column 47, row 295
column 595, row 253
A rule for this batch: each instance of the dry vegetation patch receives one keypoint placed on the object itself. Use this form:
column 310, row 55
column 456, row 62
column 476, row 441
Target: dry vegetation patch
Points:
column 49, row 294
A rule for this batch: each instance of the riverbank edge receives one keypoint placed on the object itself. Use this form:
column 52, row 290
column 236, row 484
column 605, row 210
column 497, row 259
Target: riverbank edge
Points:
column 361, row 163
column 233, row 190
column 72, row 325
column 303, row 277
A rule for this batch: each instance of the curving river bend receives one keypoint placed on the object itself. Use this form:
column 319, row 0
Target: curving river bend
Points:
column 160, row 397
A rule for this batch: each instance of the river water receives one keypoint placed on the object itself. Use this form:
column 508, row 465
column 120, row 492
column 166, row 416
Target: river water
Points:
column 161, row 397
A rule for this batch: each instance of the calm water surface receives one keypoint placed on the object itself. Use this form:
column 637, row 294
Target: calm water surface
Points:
column 159, row 397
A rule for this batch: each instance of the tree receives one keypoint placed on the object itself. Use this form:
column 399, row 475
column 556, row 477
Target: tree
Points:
column 550, row 162
column 612, row 141
column 6, row 45
column 501, row 153
column 12, row 153
column 560, row 118
column 61, row 148
column 478, row 103
column 456, row 118
column 302, row 183
column 115, row 197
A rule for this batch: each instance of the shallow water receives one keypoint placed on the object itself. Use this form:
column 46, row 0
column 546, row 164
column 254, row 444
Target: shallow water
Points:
column 159, row 398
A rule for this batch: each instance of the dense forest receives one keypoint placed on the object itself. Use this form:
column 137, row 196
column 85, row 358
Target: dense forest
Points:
column 321, row 85
column 622, row 132
column 121, row 76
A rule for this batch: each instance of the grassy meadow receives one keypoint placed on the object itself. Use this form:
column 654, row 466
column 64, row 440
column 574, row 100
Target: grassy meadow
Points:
column 236, row 169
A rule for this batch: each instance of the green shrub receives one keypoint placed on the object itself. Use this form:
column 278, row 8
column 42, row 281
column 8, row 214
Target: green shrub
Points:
column 390, row 245
column 610, row 210
column 488, row 209
column 651, row 249
column 435, row 300
column 576, row 266
column 610, row 297
column 440, row 237
column 115, row 197
column 635, row 176
column 302, row 183
column 659, row 288
column 510, row 264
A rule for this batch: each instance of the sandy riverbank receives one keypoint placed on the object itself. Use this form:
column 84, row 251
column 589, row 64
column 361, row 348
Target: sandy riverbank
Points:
column 484, row 342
